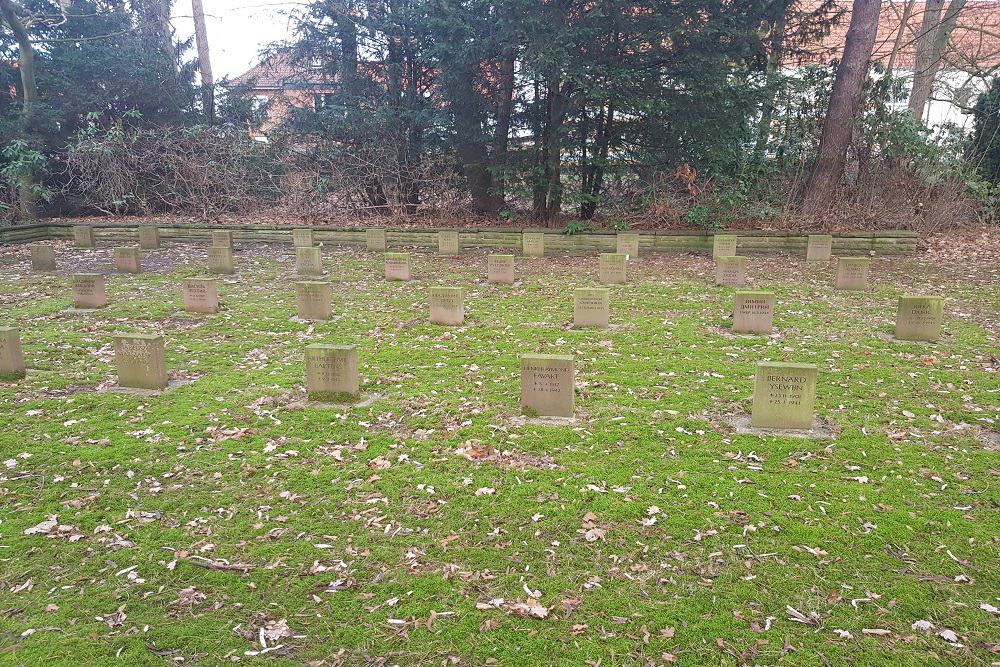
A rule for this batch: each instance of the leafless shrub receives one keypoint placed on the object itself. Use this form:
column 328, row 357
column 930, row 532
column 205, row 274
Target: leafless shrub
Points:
column 204, row 170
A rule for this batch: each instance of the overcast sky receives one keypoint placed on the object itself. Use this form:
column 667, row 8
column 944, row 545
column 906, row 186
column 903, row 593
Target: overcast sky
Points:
column 237, row 30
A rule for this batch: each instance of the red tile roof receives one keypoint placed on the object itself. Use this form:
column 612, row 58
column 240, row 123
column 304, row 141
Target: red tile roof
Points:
column 975, row 42
column 285, row 70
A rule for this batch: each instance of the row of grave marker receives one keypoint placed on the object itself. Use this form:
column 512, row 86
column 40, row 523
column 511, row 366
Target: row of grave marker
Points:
column 819, row 247
column 784, row 393
column 918, row 318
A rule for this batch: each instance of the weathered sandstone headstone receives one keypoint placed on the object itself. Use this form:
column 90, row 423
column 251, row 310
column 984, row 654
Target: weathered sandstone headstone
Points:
column 397, row 266
column 819, row 248
column 200, row 295
column 308, row 261
column 547, row 385
column 447, row 305
column 533, row 244
column 448, row 243
column 753, row 312
column 731, row 271
column 220, row 260
column 43, row 258
column 83, row 236
column 11, row 356
column 141, row 361
column 222, row 239
column 500, row 269
column 314, row 300
column 149, row 237
column 89, row 291
column 591, row 307
column 724, row 245
column 612, row 268
column 332, row 372
column 852, row 272
column 302, row 238
column 919, row 317
column 375, row 239
column 128, row 260
column 627, row 244
column 783, row 395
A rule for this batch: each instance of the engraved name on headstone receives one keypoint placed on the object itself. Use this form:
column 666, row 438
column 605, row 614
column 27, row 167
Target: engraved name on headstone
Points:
column 852, row 273
column 591, row 307
column 313, row 300
column 448, row 243
column 783, row 395
column 731, row 271
column 533, row 244
column 332, row 372
column 753, row 312
column 724, row 245
column 397, row 266
column 919, row 317
column 547, row 385
column 612, row 268
column 201, row 295
column 500, row 269
column 141, row 361
column 447, row 305
column 89, row 291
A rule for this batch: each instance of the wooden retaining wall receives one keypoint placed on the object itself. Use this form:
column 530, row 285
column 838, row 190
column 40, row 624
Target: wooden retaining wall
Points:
column 750, row 242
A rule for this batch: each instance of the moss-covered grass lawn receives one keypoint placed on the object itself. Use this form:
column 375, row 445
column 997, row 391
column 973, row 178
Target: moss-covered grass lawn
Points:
column 435, row 527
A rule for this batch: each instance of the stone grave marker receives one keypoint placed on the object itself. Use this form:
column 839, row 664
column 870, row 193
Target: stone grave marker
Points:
column 89, row 291
column 222, row 239
column 919, row 317
column 308, row 261
column 149, row 237
column 852, row 272
column 447, row 305
column 11, row 356
column 83, row 236
column 533, row 244
column 332, row 373
column 302, row 238
column 448, row 243
column 397, row 266
column 43, row 258
column 220, row 260
column 627, row 244
column 375, row 239
column 612, row 268
column 819, row 248
column 313, row 299
column 201, row 295
column 784, row 395
column 500, row 269
column 731, row 271
column 753, row 312
column 591, row 307
column 724, row 245
column 141, row 361
column 128, row 260
column 547, row 385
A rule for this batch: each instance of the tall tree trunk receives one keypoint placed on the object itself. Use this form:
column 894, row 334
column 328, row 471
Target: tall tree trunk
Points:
column 939, row 45
column 773, row 65
column 29, row 101
column 558, row 103
column 501, row 133
column 595, row 172
column 539, row 130
column 844, row 102
column 904, row 22
column 204, row 60
column 922, row 68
